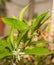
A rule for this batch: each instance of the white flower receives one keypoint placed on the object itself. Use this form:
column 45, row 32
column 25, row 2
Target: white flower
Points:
column 35, row 33
column 29, row 23
column 21, row 53
column 53, row 60
column 18, row 50
column 15, row 34
column 21, row 42
column 14, row 52
column 19, row 57
column 34, row 39
column 14, row 64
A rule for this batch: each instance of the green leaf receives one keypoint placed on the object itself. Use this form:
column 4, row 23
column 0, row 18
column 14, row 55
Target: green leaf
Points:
column 48, row 28
column 5, row 48
column 13, row 17
column 37, row 21
column 23, row 12
column 11, row 35
column 39, row 43
column 22, row 35
column 39, row 18
column 37, row 51
column 42, row 41
column 4, row 44
column 17, row 24
column 45, row 18
column 4, row 53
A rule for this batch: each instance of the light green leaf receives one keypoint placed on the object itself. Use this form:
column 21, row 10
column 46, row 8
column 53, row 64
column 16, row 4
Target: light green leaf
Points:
column 14, row 17
column 37, row 51
column 23, row 12
column 17, row 24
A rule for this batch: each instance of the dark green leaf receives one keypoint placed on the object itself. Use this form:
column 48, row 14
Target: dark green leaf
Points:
column 45, row 18
column 22, row 35
column 37, row 21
